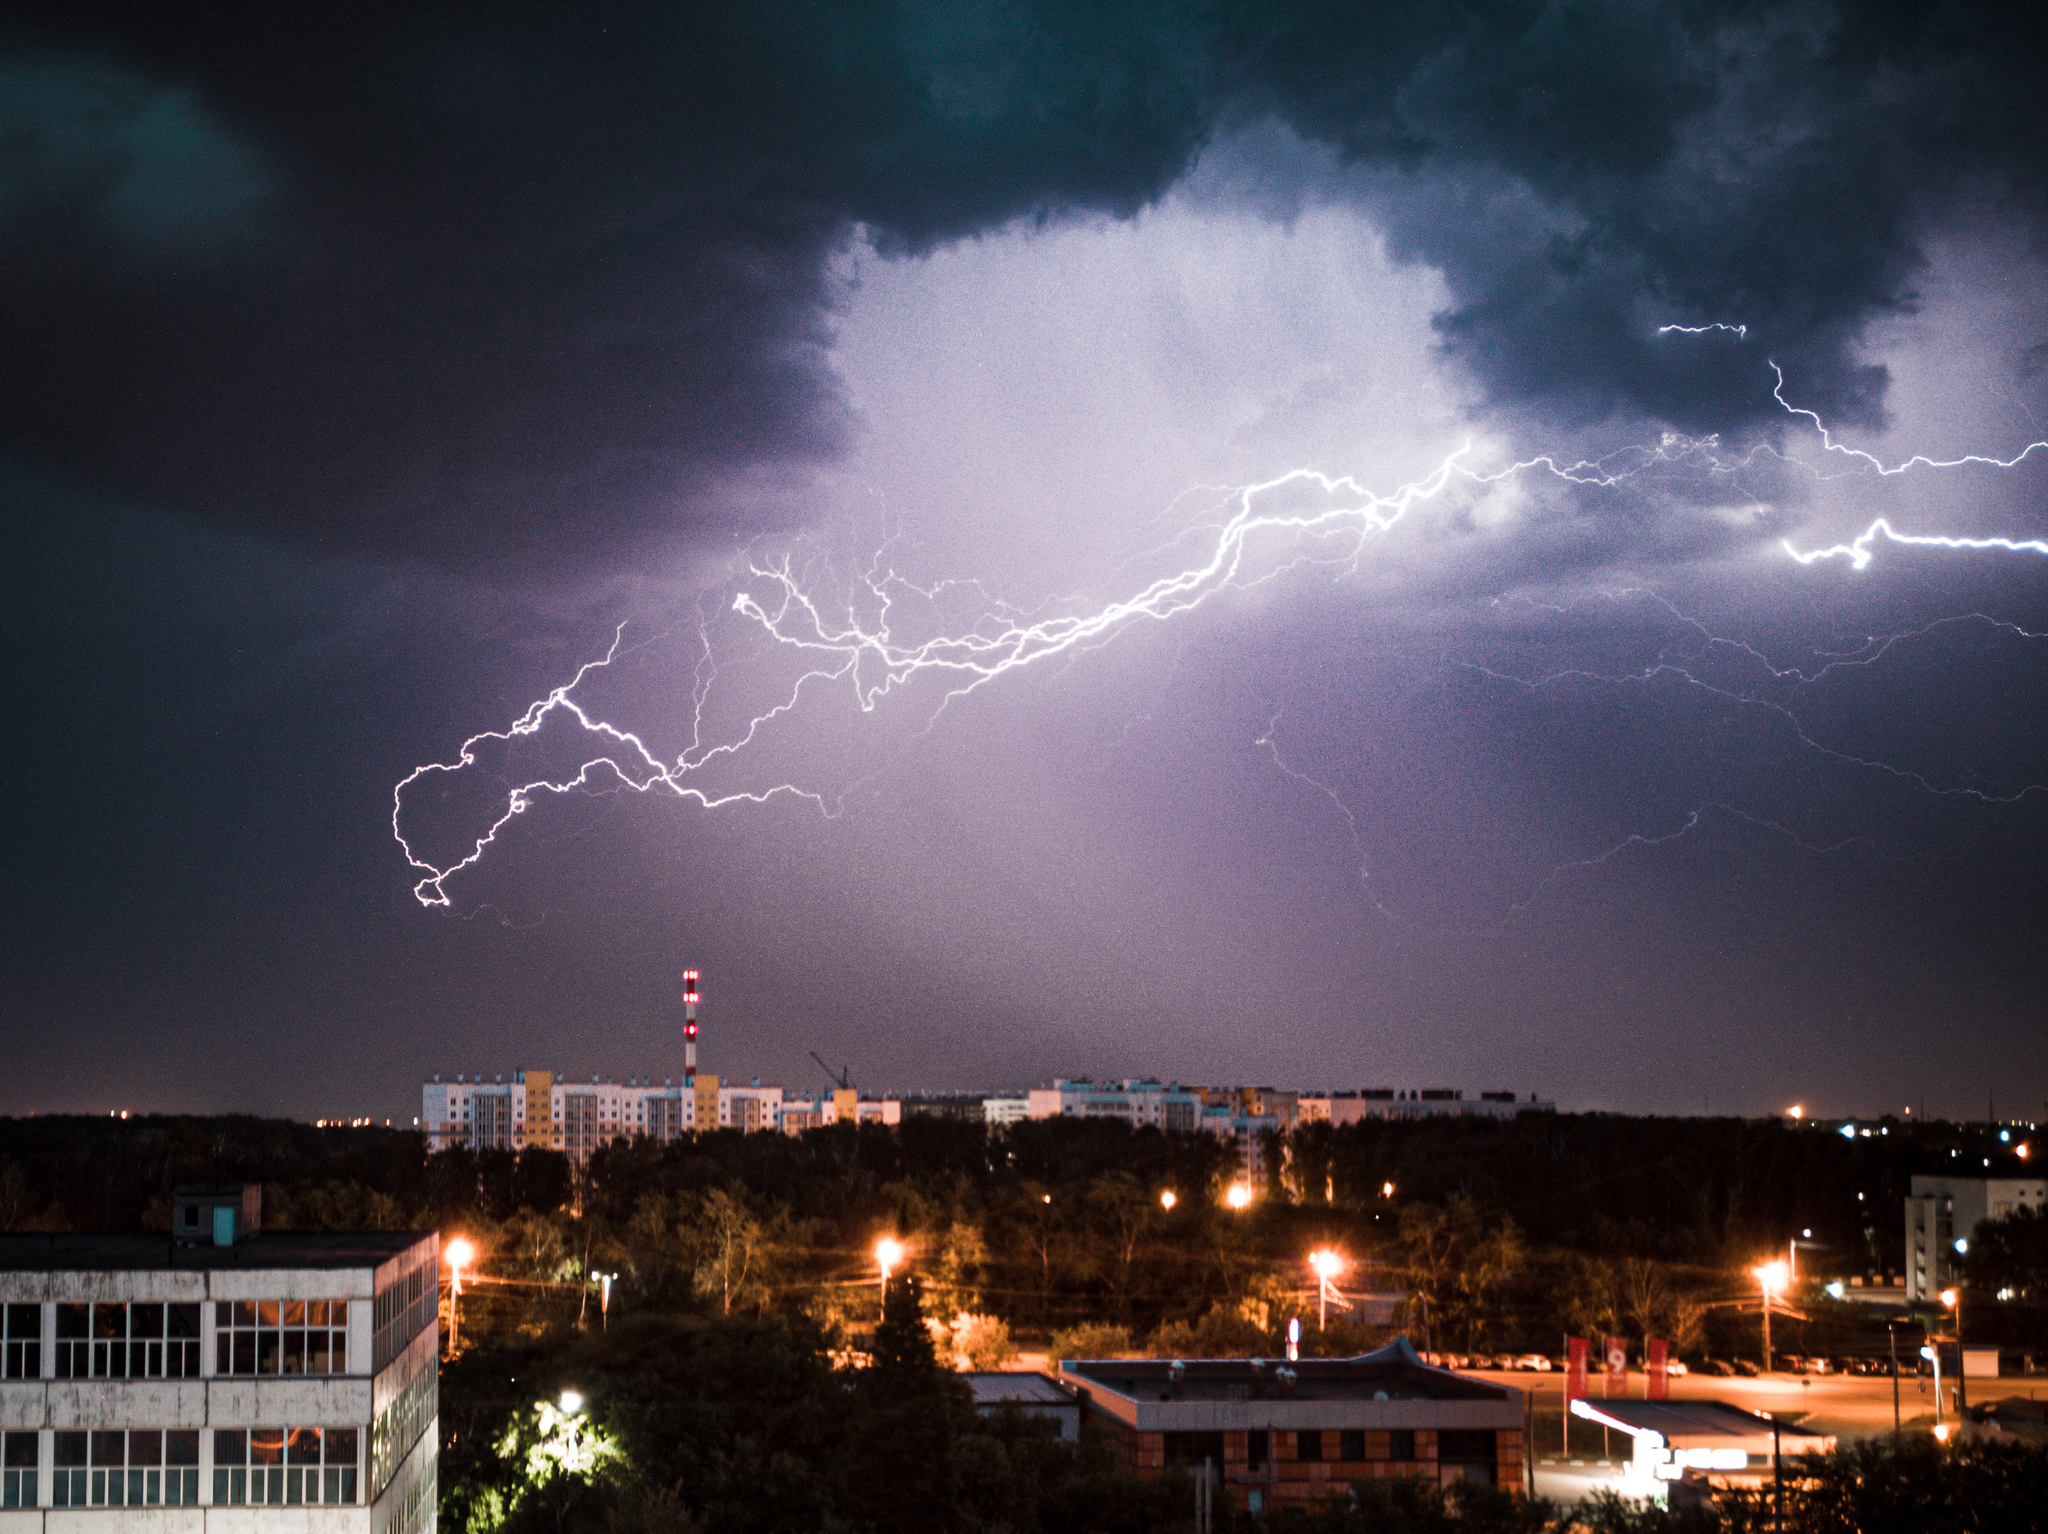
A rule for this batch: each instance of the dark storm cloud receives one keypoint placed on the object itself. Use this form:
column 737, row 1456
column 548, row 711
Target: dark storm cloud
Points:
column 506, row 286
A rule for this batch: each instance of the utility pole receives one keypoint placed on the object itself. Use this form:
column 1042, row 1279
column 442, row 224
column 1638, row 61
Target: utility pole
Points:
column 1891, row 1329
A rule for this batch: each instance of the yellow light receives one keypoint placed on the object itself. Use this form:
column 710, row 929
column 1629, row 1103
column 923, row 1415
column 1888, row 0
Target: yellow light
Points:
column 1327, row 1264
column 459, row 1253
column 1941, row 1432
column 1239, row 1196
column 2021, row 1151
column 888, row 1253
column 1386, row 1190
column 1798, row 1111
column 1948, row 1298
column 1773, row 1276
column 1168, row 1199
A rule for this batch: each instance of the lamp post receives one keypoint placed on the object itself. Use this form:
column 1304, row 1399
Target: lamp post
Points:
column 1168, row 1198
column 1771, row 1278
column 888, row 1254
column 1953, row 1299
column 1327, row 1265
column 460, row 1253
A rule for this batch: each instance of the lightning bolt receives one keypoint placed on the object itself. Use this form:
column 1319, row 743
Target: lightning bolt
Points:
column 858, row 640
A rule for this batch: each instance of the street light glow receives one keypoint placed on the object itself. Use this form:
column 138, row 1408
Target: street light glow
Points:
column 571, row 1402
column 1772, row 1276
column 459, row 1253
column 1948, row 1298
column 1168, row 1198
column 888, row 1254
column 1386, row 1190
column 1326, row 1263
column 1239, row 1196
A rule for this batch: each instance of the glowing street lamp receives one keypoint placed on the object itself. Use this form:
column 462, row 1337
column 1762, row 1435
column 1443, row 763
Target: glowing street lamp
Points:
column 1952, row 1299
column 571, row 1403
column 458, row 1254
column 1328, row 1265
column 1771, row 1278
column 1239, row 1196
column 889, row 1254
column 1168, row 1198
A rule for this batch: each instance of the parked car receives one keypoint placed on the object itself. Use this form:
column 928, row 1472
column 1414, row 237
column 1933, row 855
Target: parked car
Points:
column 1503, row 1360
column 1675, row 1367
column 1715, row 1367
column 1535, row 1362
column 1745, row 1368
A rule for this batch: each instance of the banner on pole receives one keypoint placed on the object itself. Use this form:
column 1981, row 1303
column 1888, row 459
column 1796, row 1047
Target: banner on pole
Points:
column 1617, row 1366
column 1575, row 1350
column 1657, row 1375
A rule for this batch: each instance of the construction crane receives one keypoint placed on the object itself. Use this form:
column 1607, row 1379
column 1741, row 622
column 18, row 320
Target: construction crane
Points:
column 841, row 1080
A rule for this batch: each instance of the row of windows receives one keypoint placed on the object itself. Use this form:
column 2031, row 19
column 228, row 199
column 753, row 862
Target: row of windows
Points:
column 151, row 1467
column 161, row 1341
column 281, row 1337
column 121, row 1341
column 1343, row 1445
column 399, row 1425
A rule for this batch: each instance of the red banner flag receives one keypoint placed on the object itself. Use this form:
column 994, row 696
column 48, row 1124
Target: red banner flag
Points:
column 1657, row 1380
column 1575, row 1368
column 1617, row 1366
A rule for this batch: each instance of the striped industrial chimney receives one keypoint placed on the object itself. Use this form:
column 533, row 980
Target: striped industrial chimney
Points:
column 690, row 1028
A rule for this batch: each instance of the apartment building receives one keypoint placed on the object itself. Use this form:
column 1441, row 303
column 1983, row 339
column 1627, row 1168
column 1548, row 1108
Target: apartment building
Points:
column 1940, row 1211
column 219, row 1378
column 543, row 1109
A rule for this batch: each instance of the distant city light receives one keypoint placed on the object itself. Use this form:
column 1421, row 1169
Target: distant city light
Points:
column 1239, row 1196
column 888, row 1254
column 1773, row 1276
column 1326, row 1263
column 2020, row 1151
column 1798, row 1111
column 460, row 1253
column 571, row 1403
column 1963, row 1246
column 1948, row 1298
column 1168, row 1198
column 1386, row 1190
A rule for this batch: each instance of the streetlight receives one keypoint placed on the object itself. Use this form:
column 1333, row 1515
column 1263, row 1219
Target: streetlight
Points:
column 1771, row 1278
column 1953, row 1299
column 1168, row 1198
column 1327, row 1265
column 1386, row 1190
column 571, row 1403
column 888, row 1255
column 1239, row 1196
column 459, row 1253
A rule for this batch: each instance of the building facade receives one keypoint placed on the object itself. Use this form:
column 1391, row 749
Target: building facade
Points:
column 1943, row 1210
column 542, row 1109
column 1291, row 1434
column 162, row 1385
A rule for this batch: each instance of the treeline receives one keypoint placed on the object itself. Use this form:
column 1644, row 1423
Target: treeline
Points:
column 1502, row 1234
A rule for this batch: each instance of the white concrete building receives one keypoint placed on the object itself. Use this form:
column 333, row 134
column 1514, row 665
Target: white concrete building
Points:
column 171, row 1385
column 1943, row 1210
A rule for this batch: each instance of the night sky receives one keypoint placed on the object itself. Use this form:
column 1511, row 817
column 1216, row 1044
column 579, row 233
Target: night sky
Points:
column 370, row 371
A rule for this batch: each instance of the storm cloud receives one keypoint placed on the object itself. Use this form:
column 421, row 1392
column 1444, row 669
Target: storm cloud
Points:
column 519, row 287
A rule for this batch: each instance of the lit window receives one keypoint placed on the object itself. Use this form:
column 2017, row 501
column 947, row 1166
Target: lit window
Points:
column 281, row 1337
column 285, row 1467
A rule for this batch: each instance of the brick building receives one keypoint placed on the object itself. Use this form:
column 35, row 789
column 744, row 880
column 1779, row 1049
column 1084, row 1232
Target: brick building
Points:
column 1284, row 1434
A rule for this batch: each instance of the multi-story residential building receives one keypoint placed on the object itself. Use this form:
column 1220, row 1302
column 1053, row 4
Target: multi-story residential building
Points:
column 1419, row 1103
column 215, row 1378
column 1940, row 1211
column 540, row 1108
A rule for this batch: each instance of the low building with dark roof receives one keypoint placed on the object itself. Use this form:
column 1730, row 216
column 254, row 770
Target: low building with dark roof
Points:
column 1295, row 1433
column 1698, row 1442
column 1032, row 1393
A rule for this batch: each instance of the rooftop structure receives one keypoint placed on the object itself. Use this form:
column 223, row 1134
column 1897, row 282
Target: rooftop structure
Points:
column 1028, row 1391
column 141, row 1373
column 1291, row 1433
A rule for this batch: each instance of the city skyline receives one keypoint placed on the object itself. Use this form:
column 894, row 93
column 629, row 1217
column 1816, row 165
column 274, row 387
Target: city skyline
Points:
column 1236, row 544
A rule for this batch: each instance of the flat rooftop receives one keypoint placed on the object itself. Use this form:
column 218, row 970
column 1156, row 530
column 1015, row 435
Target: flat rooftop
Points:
column 1026, row 1387
column 1681, row 1421
column 143, row 1252
column 1391, row 1374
